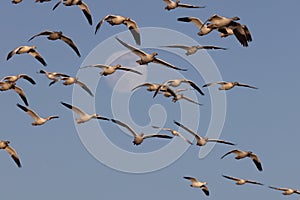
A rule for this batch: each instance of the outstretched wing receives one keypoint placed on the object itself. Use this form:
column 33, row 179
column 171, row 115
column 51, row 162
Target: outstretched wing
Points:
column 14, row 155
column 71, row 44
column 125, row 126
column 86, row 11
column 160, row 61
column 39, row 34
column 134, row 29
column 81, row 84
column 135, row 50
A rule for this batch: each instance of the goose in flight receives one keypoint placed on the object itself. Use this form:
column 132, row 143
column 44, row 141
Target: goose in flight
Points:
column 58, row 35
column 117, row 20
column 13, row 79
column 27, row 49
column 84, row 8
column 147, row 58
column 37, row 119
column 167, row 91
column 201, row 141
column 240, row 31
column 108, row 69
column 139, row 138
column 190, row 50
column 150, row 86
column 74, row 80
column 4, row 86
column 198, row 184
column 54, row 76
column 5, row 146
column 286, row 191
column 240, row 181
column 204, row 30
column 83, row 116
column 176, row 83
column 228, row 85
column 243, row 154
column 174, row 132
column 176, row 4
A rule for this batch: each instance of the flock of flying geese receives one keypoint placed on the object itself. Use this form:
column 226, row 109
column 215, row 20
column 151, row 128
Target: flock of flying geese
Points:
column 226, row 26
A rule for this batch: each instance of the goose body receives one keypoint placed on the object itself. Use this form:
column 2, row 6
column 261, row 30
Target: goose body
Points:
column 240, row 181
column 54, row 76
column 37, row 119
column 204, row 30
column 218, row 21
column 12, row 152
column 83, row 116
column 190, row 50
column 174, row 132
column 286, row 191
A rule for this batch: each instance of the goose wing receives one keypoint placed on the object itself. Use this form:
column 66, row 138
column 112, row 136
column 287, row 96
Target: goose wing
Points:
column 191, row 100
column 21, row 93
column 278, row 188
column 86, row 11
column 101, row 22
column 214, row 83
column 205, row 190
column 187, row 129
column 177, row 46
column 220, row 141
column 211, row 47
column 160, row 61
column 71, row 44
column 39, row 34
column 158, row 136
column 28, row 78
column 30, row 112
column 96, row 65
column 134, row 29
column 233, row 151
column 81, row 84
column 194, row 86
column 231, row 178
column 129, row 70
column 245, row 85
column 254, row 182
column 182, row 5
column 192, row 179
column 194, row 20
column 125, row 126
column 37, row 56
column 135, row 50
column 256, row 161
column 13, row 52
column 57, row 4
column 142, row 85
column 75, row 109
column 12, row 152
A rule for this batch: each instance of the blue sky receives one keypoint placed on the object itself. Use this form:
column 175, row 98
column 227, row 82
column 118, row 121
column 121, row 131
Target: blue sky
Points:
column 56, row 164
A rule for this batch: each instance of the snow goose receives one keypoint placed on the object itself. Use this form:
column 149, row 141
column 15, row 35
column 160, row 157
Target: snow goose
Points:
column 58, row 35
column 202, row 141
column 54, row 76
column 139, row 138
column 174, row 132
column 176, row 4
column 228, row 85
column 27, row 49
column 37, row 119
column 176, row 83
column 84, row 8
column 147, row 58
column 117, row 20
column 286, row 191
column 4, row 86
column 83, row 116
column 12, row 152
column 198, row 184
column 243, row 154
column 240, row 181
column 178, row 97
column 74, row 80
column 109, row 69
column 190, row 50
column 13, row 79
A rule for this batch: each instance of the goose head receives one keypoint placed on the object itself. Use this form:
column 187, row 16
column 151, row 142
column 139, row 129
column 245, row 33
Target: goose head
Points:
column 154, row 54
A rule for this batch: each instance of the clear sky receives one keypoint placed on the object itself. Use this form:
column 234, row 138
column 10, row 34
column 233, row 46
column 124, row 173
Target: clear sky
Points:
column 57, row 164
